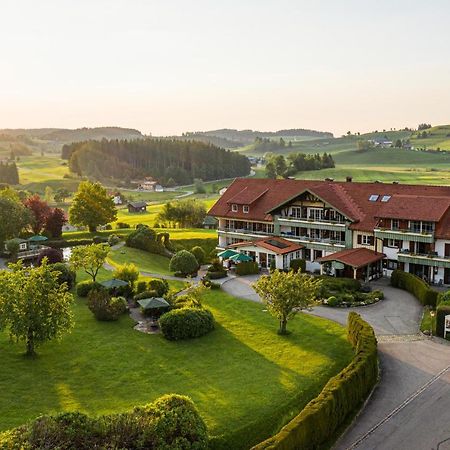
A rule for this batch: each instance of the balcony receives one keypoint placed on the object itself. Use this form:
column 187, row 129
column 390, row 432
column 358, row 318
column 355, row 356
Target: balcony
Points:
column 321, row 224
column 407, row 234
column 315, row 241
column 245, row 231
column 426, row 259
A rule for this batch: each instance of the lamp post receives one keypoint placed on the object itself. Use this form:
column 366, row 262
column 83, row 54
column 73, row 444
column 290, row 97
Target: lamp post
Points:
column 432, row 313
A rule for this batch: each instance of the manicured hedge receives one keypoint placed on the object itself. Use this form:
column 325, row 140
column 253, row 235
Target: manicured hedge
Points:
column 298, row 265
column 416, row 286
column 84, row 287
column 247, row 268
column 339, row 399
column 186, row 323
column 442, row 310
column 171, row 422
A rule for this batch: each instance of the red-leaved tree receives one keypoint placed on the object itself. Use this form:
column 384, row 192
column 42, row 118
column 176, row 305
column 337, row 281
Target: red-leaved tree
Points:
column 39, row 211
column 54, row 222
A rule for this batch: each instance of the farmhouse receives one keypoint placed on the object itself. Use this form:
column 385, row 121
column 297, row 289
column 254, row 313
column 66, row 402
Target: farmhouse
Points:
column 361, row 230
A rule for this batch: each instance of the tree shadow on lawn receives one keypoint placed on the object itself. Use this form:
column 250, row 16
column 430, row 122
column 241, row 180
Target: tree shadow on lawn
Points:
column 245, row 379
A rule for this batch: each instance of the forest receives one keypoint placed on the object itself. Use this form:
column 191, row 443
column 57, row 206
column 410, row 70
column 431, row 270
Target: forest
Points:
column 167, row 161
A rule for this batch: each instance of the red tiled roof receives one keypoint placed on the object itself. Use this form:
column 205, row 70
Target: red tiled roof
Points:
column 247, row 196
column 413, row 202
column 354, row 257
column 275, row 244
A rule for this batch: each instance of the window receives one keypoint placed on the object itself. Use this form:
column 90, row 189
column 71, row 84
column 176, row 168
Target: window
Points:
column 316, row 214
column 414, row 225
column 385, row 198
column 427, row 227
column 270, row 260
column 394, row 243
column 317, row 254
column 373, row 197
column 395, row 224
column 23, row 246
column 390, row 264
column 234, row 207
column 364, row 239
column 245, row 208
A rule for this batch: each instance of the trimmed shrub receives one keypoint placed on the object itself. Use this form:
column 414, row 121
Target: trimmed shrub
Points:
column 442, row 310
column 53, row 255
column 99, row 239
column 444, row 297
column 145, row 239
column 298, row 265
column 170, row 422
column 121, row 225
column 183, row 262
column 339, row 399
column 416, row 286
column 141, row 286
column 247, row 268
column 66, row 275
column 216, row 275
column 84, row 287
column 199, row 254
column 113, row 240
column 145, row 294
column 104, row 307
column 160, row 286
column 186, row 323
column 127, row 272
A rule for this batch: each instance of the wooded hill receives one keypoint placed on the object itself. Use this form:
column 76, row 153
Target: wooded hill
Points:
column 168, row 161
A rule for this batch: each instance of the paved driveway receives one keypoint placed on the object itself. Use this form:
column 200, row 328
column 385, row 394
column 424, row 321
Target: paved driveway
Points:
column 410, row 408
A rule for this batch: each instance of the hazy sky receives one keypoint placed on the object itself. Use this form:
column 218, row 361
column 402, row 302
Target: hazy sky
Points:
column 167, row 66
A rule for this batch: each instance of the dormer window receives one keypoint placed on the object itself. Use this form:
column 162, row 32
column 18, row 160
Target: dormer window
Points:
column 245, row 208
column 234, row 207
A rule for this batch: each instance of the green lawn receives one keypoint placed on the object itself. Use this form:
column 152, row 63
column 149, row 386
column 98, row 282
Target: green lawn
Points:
column 244, row 378
column 146, row 262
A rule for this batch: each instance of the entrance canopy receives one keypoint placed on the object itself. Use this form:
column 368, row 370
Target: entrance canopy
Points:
column 274, row 244
column 354, row 257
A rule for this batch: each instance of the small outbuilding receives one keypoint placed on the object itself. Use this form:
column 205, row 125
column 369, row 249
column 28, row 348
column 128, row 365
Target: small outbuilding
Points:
column 210, row 223
column 137, row 207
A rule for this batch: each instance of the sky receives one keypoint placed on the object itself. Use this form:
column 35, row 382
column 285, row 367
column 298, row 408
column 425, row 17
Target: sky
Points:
column 169, row 66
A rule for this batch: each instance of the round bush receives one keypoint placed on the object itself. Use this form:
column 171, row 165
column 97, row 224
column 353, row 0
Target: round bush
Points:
column 113, row 240
column 104, row 307
column 84, row 287
column 145, row 294
column 183, row 262
column 66, row 275
column 141, row 286
column 53, row 255
column 199, row 254
column 161, row 287
column 186, row 323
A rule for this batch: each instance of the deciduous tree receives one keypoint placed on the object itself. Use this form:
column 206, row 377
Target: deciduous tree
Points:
column 34, row 306
column 90, row 258
column 286, row 293
column 39, row 211
column 14, row 218
column 92, row 206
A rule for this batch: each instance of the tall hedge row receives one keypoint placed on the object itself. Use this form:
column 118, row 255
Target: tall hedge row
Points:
column 442, row 310
column 416, row 286
column 341, row 396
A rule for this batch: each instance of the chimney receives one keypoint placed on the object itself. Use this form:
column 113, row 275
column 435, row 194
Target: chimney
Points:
column 348, row 179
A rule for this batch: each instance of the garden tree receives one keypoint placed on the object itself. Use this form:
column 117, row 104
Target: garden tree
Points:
column 398, row 143
column 363, row 146
column 184, row 213
column 199, row 186
column 39, row 211
column 13, row 247
column 270, row 170
column 52, row 255
column 34, row 306
column 18, row 216
column 127, row 272
column 183, row 262
column 92, row 206
column 199, row 254
column 54, row 222
column 10, row 193
column 61, row 194
column 90, row 258
column 285, row 293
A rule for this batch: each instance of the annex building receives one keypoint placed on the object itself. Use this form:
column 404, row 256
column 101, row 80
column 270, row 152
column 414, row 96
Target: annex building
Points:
column 360, row 230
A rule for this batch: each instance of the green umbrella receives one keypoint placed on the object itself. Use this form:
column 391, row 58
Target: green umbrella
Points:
column 226, row 254
column 153, row 303
column 113, row 283
column 241, row 257
column 38, row 238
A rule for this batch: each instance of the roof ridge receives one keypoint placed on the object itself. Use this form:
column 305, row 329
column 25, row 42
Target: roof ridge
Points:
column 348, row 199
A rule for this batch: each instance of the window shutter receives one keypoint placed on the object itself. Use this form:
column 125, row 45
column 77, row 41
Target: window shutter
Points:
column 370, row 240
column 359, row 239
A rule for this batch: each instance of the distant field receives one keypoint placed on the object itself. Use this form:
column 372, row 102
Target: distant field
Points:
column 439, row 137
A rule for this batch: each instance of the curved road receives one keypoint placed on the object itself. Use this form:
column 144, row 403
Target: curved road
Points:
column 410, row 408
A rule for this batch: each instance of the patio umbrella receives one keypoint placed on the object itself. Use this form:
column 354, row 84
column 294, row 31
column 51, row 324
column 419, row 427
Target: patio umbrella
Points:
column 226, row 254
column 37, row 238
column 240, row 257
column 153, row 303
column 113, row 283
